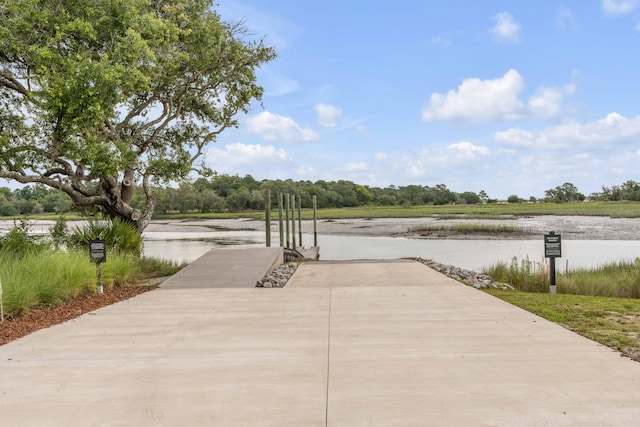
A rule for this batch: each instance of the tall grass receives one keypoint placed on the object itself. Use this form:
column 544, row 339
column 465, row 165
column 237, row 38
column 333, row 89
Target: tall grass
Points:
column 524, row 275
column 50, row 277
column 476, row 215
column 467, row 228
column 44, row 278
column 36, row 273
column 619, row 280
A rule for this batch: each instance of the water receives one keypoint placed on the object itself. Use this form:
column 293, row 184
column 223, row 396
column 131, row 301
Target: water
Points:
column 185, row 242
column 470, row 254
column 183, row 246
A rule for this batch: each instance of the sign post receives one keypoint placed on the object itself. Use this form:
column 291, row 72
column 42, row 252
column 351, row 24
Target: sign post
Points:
column 1, row 305
column 552, row 250
column 98, row 254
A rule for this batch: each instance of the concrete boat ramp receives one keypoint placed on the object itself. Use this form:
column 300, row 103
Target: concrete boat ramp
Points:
column 361, row 343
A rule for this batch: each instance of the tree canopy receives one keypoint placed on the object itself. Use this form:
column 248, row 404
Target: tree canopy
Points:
column 97, row 96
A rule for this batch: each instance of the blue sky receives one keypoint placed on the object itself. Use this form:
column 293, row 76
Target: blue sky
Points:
column 510, row 97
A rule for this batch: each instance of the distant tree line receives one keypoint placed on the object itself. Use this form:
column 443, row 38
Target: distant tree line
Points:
column 234, row 193
column 34, row 199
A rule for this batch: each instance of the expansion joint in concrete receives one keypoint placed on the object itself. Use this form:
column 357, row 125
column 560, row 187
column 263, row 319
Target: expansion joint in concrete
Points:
column 328, row 361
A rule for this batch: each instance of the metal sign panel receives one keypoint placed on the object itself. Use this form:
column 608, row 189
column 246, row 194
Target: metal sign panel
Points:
column 552, row 245
column 98, row 251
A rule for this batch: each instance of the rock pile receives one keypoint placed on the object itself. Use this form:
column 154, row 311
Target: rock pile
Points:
column 468, row 277
column 279, row 277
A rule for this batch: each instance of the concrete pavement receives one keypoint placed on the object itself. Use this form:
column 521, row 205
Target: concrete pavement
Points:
column 344, row 344
column 227, row 268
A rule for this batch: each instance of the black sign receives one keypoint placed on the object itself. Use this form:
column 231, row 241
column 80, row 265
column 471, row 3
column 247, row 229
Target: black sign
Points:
column 98, row 250
column 552, row 245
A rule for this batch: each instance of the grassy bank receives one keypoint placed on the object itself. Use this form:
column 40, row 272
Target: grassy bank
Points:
column 619, row 280
column 39, row 271
column 614, row 322
column 489, row 211
column 48, row 278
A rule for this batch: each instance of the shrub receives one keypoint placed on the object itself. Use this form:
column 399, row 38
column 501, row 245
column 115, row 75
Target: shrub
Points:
column 119, row 236
column 60, row 233
column 18, row 243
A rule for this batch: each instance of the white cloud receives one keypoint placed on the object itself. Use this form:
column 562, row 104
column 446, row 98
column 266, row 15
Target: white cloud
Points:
column 328, row 115
column 467, row 151
column 498, row 99
column 245, row 158
column 519, row 138
column 479, row 100
column 273, row 127
column 545, row 103
column 380, row 156
column 619, row 7
column 434, row 163
column 506, row 29
column 614, row 129
column 356, row 167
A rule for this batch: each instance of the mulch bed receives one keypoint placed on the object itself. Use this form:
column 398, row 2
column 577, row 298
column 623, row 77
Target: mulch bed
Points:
column 43, row 317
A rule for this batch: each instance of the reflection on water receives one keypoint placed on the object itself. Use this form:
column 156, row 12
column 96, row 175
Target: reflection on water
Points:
column 470, row 254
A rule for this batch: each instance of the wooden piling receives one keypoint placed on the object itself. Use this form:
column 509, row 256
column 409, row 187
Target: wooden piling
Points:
column 315, row 229
column 267, row 218
column 287, row 198
column 280, row 228
column 293, row 219
column 300, row 220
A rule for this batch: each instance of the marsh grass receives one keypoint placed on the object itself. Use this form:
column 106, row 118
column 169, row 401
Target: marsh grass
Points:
column 619, row 280
column 476, row 215
column 524, row 275
column 467, row 228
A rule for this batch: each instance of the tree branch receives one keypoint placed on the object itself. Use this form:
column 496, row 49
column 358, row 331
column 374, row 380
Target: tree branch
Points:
column 9, row 81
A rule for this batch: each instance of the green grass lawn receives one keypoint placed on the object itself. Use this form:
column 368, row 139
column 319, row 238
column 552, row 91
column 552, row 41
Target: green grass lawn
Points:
column 614, row 322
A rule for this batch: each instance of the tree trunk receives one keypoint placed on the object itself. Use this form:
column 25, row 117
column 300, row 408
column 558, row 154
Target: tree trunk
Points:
column 118, row 206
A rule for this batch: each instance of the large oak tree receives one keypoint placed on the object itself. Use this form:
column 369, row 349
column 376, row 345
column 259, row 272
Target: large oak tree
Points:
column 100, row 96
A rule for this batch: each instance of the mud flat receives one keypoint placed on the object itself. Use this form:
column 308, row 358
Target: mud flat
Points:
column 571, row 227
